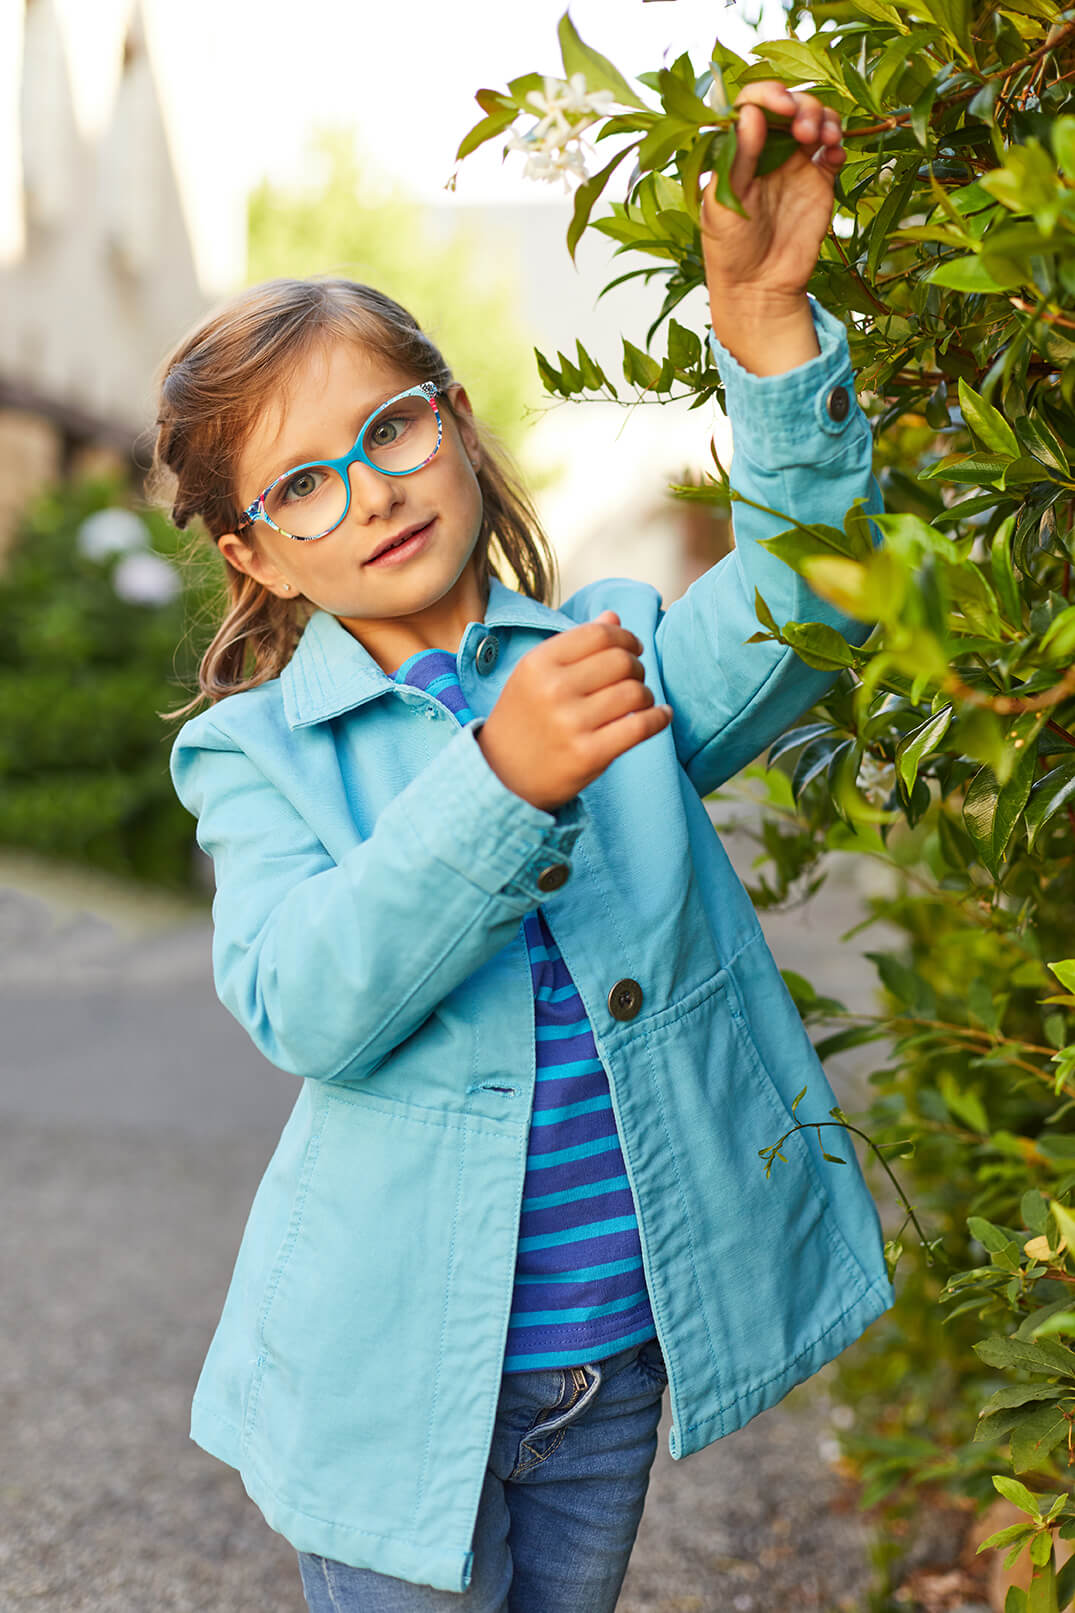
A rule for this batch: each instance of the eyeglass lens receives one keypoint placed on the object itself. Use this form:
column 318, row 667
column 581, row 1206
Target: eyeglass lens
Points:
column 397, row 439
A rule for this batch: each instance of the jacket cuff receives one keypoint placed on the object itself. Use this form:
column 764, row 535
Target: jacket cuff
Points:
column 801, row 416
column 491, row 835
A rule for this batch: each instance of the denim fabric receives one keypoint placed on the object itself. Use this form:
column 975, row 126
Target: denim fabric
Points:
column 561, row 1503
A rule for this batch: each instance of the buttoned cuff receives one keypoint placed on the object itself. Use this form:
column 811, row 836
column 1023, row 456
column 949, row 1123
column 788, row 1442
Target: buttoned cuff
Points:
column 499, row 841
column 798, row 417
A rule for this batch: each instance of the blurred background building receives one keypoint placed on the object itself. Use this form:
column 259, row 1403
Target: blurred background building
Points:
column 120, row 222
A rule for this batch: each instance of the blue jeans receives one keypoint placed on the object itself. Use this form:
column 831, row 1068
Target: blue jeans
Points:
column 568, row 1470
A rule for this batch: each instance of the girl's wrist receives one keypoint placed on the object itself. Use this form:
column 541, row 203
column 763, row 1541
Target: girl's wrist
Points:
column 767, row 334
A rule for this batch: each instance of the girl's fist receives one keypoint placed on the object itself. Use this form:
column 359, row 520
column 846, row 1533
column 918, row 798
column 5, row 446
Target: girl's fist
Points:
column 569, row 708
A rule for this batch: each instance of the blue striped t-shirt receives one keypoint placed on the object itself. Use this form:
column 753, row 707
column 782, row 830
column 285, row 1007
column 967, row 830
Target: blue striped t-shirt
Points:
column 580, row 1292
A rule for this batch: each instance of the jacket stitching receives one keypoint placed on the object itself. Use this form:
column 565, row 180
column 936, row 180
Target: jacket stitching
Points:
column 762, row 1383
column 313, row 1149
column 686, row 1222
column 837, row 1242
column 420, row 1486
column 391, row 1110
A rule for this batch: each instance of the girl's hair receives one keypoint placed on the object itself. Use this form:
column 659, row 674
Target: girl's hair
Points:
column 214, row 386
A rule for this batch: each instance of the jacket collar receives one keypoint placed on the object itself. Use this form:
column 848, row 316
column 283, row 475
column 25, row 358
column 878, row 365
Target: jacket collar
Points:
column 331, row 672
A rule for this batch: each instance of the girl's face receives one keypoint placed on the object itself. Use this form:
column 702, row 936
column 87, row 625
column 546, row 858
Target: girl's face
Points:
column 422, row 601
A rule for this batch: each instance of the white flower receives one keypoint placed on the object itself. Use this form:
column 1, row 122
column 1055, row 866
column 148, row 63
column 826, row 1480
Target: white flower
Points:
column 112, row 531
column 553, row 145
column 146, row 578
column 876, row 779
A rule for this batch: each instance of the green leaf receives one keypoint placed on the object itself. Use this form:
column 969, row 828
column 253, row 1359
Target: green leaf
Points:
column 891, row 210
column 1000, row 563
column 1021, row 1394
column 639, row 368
column 596, row 69
column 989, row 1236
column 487, row 129
column 764, row 614
column 681, row 101
column 1064, row 970
column 792, row 738
column 991, row 810
column 1058, row 642
column 1060, row 1322
column 1041, row 1548
column 1065, row 1579
column 1047, row 1357
column 586, row 196
column 1052, row 791
column 1035, row 1435
column 819, row 645
column 970, row 275
column 684, row 346
column 1017, row 1494
column 987, row 423
column 1008, row 1536
column 913, row 747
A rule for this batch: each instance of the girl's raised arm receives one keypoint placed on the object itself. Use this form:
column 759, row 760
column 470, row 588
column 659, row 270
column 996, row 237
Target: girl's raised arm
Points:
column 801, row 446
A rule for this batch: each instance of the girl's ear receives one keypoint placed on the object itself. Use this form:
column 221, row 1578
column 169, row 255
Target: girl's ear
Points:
column 245, row 558
column 464, row 419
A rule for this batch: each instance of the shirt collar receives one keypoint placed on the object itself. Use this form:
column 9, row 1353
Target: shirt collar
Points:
column 331, row 672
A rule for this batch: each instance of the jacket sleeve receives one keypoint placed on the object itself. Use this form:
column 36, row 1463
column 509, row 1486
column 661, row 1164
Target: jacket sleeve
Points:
column 327, row 965
column 730, row 699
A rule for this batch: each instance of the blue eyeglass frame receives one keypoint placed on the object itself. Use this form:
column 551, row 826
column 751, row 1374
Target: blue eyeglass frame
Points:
column 256, row 511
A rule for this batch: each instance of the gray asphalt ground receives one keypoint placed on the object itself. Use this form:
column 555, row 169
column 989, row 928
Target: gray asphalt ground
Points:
column 135, row 1122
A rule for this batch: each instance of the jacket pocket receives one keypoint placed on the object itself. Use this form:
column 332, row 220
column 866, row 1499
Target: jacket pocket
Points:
column 382, row 1326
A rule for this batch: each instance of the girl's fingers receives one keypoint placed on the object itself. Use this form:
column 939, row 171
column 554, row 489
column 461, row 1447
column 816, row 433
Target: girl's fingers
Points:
column 813, row 124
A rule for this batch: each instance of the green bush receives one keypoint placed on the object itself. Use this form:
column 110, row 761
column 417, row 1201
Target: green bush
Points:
column 946, row 747
column 84, row 675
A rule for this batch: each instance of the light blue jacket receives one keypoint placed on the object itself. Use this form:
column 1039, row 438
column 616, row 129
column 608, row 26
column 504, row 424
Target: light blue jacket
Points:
column 372, row 876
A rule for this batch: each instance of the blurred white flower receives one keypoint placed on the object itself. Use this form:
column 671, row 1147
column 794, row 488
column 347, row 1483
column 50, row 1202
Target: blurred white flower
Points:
column 146, row 578
column 112, row 531
column 876, row 779
column 553, row 145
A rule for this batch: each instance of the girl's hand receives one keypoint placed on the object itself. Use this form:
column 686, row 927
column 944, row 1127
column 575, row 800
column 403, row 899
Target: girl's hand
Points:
column 570, row 707
column 764, row 261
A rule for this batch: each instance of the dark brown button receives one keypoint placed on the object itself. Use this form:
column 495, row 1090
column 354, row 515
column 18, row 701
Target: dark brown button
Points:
column 838, row 403
column 625, row 999
column 551, row 878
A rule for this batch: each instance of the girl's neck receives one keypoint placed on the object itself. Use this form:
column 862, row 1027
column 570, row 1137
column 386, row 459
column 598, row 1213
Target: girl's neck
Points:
column 393, row 640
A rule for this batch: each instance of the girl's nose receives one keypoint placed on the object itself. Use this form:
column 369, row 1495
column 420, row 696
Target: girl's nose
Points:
column 373, row 493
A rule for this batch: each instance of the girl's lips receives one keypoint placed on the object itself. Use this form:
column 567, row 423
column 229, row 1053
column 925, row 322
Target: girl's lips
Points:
column 411, row 546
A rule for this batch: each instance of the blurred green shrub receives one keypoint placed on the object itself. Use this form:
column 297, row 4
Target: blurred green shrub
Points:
column 105, row 612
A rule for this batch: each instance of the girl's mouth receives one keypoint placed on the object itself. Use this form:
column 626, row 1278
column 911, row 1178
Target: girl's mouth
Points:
column 405, row 550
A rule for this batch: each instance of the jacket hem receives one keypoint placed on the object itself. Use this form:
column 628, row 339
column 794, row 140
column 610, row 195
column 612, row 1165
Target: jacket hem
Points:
column 735, row 1413
column 443, row 1568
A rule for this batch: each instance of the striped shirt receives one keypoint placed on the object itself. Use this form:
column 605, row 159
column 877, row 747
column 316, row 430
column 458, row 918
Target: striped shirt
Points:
column 580, row 1292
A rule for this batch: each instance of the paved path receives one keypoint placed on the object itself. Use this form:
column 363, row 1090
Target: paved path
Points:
column 135, row 1121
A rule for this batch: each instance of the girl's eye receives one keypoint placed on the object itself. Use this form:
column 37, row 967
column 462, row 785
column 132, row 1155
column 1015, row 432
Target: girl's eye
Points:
column 301, row 486
column 387, row 432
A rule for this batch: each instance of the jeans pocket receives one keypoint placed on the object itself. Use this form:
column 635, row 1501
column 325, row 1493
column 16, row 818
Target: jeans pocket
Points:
column 651, row 1362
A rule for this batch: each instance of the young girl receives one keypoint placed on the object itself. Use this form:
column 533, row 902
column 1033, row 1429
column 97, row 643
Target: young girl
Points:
column 468, row 891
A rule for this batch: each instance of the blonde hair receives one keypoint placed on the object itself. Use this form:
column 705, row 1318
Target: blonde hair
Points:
column 212, row 389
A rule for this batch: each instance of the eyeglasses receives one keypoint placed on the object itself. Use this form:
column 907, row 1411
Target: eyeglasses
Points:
column 309, row 501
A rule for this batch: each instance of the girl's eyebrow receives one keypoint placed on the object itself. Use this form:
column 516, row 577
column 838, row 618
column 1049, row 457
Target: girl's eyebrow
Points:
column 316, row 458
